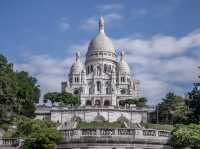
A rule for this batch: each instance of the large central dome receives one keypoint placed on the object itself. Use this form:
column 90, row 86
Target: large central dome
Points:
column 100, row 43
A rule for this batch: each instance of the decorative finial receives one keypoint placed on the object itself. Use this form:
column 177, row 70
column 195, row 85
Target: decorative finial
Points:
column 101, row 24
column 77, row 55
column 122, row 55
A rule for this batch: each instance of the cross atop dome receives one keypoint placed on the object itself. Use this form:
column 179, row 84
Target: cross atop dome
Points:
column 101, row 24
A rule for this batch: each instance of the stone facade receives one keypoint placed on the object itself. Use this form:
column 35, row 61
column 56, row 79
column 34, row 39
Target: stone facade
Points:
column 102, row 80
column 65, row 115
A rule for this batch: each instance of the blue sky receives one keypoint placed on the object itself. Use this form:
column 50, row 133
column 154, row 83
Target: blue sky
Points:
column 161, row 39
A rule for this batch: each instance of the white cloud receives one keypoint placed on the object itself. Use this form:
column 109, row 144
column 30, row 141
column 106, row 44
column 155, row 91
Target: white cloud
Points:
column 89, row 24
column 134, row 14
column 64, row 24
column 160, row 44
column 109, row 18
column 163, row 63
column 48, row 70
column 110, row 7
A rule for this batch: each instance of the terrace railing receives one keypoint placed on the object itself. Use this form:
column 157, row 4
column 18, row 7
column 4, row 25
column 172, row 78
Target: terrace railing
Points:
column 117, row 134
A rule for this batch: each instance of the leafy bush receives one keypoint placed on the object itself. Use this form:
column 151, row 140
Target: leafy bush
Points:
column 158, row 126
column 186, row 136
column 37, row 134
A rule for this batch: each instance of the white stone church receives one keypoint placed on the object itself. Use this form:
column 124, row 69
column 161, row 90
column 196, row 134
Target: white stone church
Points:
column 100, row 83
column 101, row 80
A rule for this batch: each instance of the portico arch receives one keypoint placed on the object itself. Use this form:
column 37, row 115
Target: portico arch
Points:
column 106, row 103
column 88, row 103
column 97, row 103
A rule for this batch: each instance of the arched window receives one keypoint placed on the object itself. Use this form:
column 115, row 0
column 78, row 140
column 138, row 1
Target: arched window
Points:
column 122, row 102
column 106, row 103
column 105, row 68
column 122, row 79
column 76, row 92
column 90, row 91
column 107, row 90
column 97, row 103
column 98, row 70
column 88, row 69
column 123, row 91
column 98, row 86
column 91, row 68
column 128, row 80
column 88, row 103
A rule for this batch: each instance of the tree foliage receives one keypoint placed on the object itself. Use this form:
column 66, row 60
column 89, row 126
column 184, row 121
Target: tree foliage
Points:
column 18, row 92
column 193, row 102
column 37, row 134
column 139, row 102
column 63, row 98
column 186, row 136
column 171, row 110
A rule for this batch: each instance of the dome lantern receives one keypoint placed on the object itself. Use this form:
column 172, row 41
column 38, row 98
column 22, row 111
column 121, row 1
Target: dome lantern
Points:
column 77, row 66
column 123, row 67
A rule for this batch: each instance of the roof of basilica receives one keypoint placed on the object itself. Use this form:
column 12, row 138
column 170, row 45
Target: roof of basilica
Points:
column 77, row 66
column 101, row 42
column 123, row 66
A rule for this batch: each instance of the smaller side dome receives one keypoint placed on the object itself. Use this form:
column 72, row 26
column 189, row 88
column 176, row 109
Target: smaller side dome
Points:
column 123, row 66
column 77, row 66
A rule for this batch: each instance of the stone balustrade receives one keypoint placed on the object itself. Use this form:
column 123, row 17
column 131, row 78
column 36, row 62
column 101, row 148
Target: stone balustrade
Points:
column 129, row 133
column 9, row 142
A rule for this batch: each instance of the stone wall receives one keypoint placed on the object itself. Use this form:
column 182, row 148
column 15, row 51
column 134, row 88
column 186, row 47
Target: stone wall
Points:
column 115, row 138
column 9, row 144
column 89, row 114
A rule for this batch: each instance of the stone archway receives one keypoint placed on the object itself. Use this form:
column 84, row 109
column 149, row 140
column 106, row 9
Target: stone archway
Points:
column 122, row 103
column 106, row 103
column 88, row 103
column 76, row 91
column 97, row 103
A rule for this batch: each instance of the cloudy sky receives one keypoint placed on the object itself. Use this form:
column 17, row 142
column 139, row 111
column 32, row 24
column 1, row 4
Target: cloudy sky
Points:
column 161, row 39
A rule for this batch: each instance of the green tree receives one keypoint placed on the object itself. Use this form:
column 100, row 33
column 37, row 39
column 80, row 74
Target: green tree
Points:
column 62, row 98
column 139, row 102
column 186, row 136
column 37, row 134
column 193, row 102
column 52, row 96
column 18, row 92
column 171, row 110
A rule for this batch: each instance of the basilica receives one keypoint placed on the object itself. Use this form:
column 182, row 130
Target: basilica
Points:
column 101, row 83
column 101, row 80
